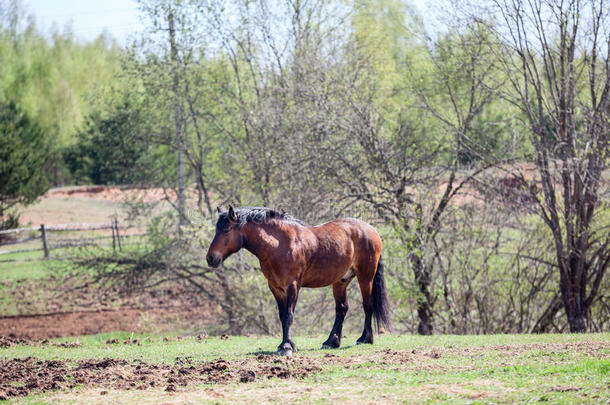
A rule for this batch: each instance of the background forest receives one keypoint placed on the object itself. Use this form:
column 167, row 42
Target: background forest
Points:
column 477, row 146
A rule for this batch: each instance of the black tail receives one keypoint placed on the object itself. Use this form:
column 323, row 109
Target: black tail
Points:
column 381, row 305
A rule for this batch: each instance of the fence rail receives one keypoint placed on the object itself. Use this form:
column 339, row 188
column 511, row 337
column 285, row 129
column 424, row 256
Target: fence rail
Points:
column 8, row 252
column 43, row 231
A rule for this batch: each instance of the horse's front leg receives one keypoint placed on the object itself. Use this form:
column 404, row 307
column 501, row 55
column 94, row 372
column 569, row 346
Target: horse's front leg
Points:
column 286, row 301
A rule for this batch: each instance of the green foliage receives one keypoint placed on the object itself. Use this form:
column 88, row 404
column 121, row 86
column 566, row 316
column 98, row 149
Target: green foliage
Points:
column 23, row 154
column 111, row 148
column 58, row 81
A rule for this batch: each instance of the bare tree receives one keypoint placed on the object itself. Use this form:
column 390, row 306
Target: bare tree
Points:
column 177, row 81
column 277, row 57
column 177, row 119
column 394, row 167
column 555, row 54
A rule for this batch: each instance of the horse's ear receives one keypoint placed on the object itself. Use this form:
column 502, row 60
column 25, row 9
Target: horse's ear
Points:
column 232, row 216
column 218, row 209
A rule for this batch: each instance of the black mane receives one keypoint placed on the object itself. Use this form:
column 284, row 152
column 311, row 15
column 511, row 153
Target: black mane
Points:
column 257, row 215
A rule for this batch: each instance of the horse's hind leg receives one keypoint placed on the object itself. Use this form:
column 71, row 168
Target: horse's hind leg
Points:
column 367, row 304
column 341, row 307
column 366, row 273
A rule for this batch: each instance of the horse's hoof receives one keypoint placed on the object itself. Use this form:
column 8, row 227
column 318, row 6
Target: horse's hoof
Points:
column 285, row 352
column 332, row 345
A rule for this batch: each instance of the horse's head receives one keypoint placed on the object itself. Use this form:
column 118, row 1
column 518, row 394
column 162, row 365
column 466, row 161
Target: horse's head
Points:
column 228, row 238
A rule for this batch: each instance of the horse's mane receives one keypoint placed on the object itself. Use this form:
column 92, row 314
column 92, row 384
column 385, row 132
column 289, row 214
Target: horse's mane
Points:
column 256, row 215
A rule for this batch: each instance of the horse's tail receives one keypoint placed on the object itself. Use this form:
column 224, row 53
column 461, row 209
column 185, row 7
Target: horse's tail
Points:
column 381, row 305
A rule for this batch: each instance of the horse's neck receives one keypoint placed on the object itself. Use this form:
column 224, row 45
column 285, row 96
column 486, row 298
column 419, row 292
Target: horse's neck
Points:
column 259, row 239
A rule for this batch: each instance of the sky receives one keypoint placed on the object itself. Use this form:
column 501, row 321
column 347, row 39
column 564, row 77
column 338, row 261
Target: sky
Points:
column 89, row 18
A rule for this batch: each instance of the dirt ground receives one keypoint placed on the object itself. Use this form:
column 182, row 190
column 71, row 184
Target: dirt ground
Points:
column 20, row 377
column 41, row 326
column 25, row 376
column 68, row 294
column 88, row 204
column 65, row 308
column 113, row 193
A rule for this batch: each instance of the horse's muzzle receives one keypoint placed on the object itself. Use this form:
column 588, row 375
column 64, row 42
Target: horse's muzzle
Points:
column 214, row 260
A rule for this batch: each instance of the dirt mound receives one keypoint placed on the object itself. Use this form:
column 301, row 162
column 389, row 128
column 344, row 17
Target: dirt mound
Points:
column 10, row 341
column 22, row 377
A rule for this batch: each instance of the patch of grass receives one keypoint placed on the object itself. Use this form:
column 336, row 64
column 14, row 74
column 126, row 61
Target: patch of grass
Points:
column 33, row 265
column 25, row 270
column 30, row 272
column 167, row 348
column 455, row 369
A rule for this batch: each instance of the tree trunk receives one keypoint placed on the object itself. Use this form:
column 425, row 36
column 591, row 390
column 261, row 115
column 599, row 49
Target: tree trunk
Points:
column 178, row 126
column 424, row 301
column 572, row 295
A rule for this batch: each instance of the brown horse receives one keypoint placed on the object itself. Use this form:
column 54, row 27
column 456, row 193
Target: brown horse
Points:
column 294, row 255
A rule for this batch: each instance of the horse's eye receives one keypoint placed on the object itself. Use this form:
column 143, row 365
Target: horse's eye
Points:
column 227, row 230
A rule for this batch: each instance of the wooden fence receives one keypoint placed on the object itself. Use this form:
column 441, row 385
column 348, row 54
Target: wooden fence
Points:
column 10, row 237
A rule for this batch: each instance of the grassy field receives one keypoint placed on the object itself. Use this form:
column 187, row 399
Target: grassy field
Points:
column 456, row 369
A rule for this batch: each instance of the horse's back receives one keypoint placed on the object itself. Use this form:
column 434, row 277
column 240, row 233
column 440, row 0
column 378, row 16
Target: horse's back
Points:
column 341, row 244
column 365, row 239
column 361, row 232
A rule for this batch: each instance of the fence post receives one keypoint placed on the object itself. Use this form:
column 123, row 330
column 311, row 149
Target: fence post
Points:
column 113, row 238
column 118, row 236
column 45, row 243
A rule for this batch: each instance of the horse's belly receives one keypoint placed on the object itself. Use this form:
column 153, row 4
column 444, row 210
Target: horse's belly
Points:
column 326, row 272
column 331, row 258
